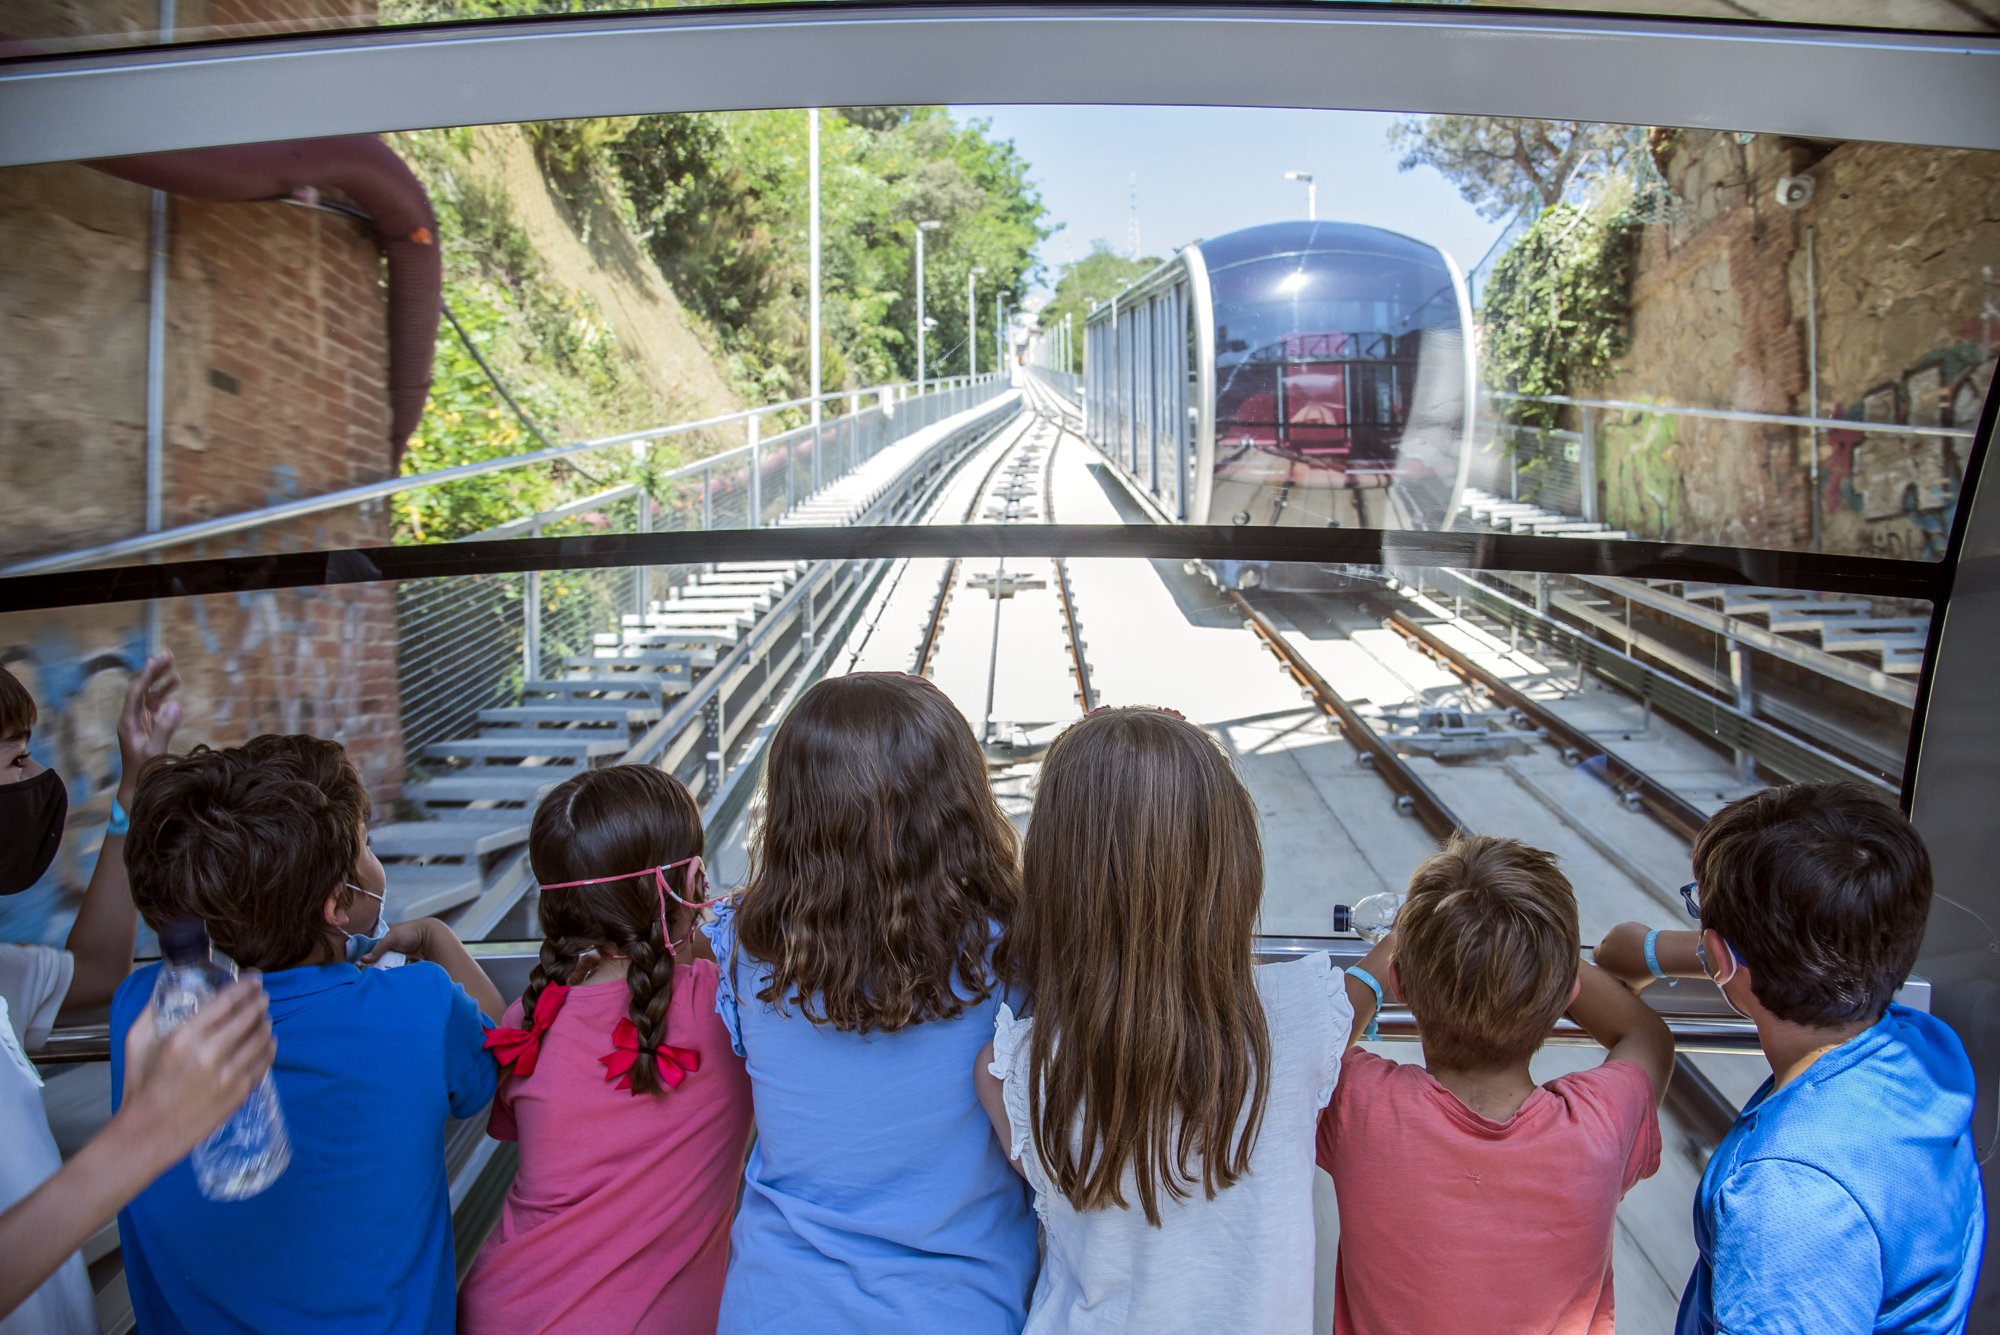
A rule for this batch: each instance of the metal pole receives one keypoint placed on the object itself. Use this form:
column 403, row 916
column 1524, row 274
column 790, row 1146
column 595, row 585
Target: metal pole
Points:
column 531, row 617
column 920, row 308
column 1812, row 383
column 158, row 240
column 756, row 476
column 812, row 157
column 972, row 322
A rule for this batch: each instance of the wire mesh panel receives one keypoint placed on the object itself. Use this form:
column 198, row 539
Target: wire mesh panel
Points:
column 458, row 651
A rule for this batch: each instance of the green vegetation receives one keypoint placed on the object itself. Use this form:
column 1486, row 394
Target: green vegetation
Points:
column 1504, row 166
column 719, row 202
column 1555, row 307
column 1097, row 277
column 1553, row 315
column 723, row 199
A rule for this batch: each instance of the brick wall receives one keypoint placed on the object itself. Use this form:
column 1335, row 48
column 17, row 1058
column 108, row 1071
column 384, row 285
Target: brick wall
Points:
column 276, row 387
column 1903, row 241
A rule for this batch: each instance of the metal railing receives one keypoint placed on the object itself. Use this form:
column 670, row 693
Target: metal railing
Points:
column 469, row 643
column 803, row 468
column 1559, row 468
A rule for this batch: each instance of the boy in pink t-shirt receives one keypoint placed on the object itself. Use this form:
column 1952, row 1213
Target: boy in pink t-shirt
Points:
column 1466, row 1158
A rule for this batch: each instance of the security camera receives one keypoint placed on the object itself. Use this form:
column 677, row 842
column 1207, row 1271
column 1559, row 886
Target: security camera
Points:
column 1794, row 192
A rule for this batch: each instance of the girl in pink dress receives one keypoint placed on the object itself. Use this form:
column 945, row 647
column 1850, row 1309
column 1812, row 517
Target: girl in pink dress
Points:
column 617, row 1079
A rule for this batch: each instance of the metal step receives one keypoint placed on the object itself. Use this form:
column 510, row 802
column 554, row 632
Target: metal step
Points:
column 457, row 836
column 426, row 891
column 553, row 747
column 662, row 638
column 578, row 711
column 629, row 689
column 716, row 601
column 1904, row 662
column 1764, row 604
column 503, row 786
column 1839, row 641
column 1795, row 622
column 744, row 579
column 621, row 658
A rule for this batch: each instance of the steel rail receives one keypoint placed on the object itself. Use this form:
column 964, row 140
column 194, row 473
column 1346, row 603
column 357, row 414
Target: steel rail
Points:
column 1413, row 794
column 934, row 623
column 1086, row 695
column 1672, row 810
column 1691, row 1094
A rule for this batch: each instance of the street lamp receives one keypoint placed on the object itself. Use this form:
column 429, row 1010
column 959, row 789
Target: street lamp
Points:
column 928, row 224
column 971, row 324
column 1312, row 193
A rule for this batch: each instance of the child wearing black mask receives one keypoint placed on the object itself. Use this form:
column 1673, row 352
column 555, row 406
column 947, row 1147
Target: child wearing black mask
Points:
column 40, row 983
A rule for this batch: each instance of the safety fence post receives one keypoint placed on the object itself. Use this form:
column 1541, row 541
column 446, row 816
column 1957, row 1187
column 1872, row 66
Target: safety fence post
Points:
column 531, row 618
column 756, row 474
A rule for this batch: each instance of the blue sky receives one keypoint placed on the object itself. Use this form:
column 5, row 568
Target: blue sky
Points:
column 1204, row 171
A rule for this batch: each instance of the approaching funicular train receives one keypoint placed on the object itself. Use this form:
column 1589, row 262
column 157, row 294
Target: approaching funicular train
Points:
column 1314, row 374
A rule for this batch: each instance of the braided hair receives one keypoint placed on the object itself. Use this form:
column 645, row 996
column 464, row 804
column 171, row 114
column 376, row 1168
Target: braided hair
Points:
column 608, row 822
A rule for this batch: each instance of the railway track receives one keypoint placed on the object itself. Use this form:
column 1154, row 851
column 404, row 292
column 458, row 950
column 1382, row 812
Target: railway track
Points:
column 1691, row 1096
column 1016, row 487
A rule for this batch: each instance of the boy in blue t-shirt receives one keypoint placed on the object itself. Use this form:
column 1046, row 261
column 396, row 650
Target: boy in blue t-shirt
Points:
column 1846, row 1197
column 267, row 844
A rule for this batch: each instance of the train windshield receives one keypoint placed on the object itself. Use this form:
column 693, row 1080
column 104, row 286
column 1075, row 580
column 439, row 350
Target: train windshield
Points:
column 1339, row 382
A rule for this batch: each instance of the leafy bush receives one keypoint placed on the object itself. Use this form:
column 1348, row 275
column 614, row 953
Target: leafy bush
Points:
column 1556, row 306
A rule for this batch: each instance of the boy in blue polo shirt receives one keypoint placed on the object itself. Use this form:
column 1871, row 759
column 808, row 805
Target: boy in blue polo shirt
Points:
column 1847, row 1196
column 267, row 845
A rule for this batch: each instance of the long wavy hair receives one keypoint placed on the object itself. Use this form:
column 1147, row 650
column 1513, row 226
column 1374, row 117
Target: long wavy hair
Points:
column 606, row 822
column 1141, row 881
column 883, row 864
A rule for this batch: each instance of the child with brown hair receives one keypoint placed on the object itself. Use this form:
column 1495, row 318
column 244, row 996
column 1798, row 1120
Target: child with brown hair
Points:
column 630, row 1109
column 856, row 978
column 263, row 843
column 1515, row 1184
column 1161, row 1099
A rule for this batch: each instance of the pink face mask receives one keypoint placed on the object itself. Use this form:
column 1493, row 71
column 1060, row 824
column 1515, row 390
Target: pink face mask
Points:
column 695, row 876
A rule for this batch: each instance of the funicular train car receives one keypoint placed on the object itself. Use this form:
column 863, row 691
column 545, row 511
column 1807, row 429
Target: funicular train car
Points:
column 1301, row 374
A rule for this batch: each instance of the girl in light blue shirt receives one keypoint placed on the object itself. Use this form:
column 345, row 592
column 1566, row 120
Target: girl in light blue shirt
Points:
column 858, row 984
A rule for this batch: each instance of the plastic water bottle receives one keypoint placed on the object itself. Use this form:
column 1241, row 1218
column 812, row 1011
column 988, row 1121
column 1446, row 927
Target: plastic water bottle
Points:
column 1370, row 918
column 248, row 1152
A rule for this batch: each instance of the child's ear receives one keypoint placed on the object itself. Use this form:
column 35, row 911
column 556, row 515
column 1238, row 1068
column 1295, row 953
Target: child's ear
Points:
column 1395, row 982
column 333, row 913
column 1576, row 988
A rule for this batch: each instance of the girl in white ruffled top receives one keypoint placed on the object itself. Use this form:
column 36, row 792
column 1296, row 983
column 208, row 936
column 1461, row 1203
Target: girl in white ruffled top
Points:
column 1161, row 1096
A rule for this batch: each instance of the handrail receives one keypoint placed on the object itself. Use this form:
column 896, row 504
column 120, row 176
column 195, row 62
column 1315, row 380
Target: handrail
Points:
column 141, row 543
column 1742, row 415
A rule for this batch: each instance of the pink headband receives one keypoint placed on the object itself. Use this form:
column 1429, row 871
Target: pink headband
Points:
column 660, row 887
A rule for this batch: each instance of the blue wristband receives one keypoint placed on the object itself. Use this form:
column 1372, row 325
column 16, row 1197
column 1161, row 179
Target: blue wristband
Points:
column 120, row 822
column 1653, row 959
column 1368, row 979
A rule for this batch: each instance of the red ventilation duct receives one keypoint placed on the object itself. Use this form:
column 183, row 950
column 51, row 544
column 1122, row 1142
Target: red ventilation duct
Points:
column 366, row 171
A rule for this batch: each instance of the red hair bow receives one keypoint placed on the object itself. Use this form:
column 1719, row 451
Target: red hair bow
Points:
column 522, row 1047
column 675, row 1064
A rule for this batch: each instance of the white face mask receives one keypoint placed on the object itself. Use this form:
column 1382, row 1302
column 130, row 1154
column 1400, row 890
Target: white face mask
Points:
column 360, row 943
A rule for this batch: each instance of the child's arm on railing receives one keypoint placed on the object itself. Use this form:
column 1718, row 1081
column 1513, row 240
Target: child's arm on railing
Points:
column 1626, row 1026
column 1622, row 954
column 1378, row 964
column 429, row 939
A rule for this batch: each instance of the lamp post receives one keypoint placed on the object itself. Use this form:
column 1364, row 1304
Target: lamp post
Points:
column 812, row 153
column 972, row 323
column 1312, row 193
column 928, row 224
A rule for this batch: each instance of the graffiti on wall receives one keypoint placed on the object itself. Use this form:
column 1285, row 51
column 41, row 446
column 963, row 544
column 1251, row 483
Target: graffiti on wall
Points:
column 319, row 661
column 1893, row 494
column 79, row 689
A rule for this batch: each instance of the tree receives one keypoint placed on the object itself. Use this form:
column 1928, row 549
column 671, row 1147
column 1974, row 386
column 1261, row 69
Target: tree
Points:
column 1503, row 165
column 1096, row 278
